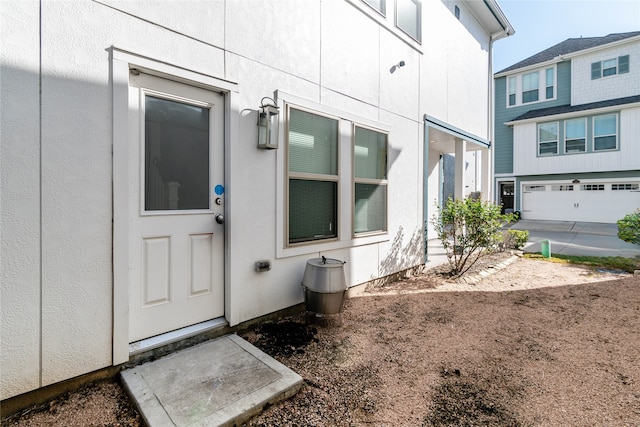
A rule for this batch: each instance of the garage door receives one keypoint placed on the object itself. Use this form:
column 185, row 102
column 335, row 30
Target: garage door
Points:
column 590, row 202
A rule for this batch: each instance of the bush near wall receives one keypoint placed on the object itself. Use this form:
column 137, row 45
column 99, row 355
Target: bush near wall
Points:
column 629, row 228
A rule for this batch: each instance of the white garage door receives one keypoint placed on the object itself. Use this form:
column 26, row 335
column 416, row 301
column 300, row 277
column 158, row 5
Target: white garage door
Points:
column 590, row 202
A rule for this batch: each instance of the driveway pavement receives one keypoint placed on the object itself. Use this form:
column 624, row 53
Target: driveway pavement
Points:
column 576, row 238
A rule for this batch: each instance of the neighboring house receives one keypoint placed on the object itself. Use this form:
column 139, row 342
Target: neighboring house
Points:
column 567, row 131
column 136, row 201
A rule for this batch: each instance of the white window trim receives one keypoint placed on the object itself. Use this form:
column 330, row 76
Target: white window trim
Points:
column 345, row 237
column 538, row 140
column 585, row 138
column 594, row 136
column 542, row 86
column 355, row 181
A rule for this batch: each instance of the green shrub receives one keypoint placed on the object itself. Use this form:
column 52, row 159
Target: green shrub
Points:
column 629, row 228
column 468, row 229
column 515, row 239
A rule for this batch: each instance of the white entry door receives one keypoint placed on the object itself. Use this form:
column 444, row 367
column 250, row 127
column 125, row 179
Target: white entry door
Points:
column 176, row 194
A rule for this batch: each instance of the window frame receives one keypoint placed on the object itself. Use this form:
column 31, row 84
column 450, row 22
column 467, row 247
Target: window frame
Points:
column 531, row 90
column 345, row 239
column 598, row 67
column 418, row 37
column 538, row 141
column 616, row 134
column 383, row 9
column 308, row 176
column 583, row 138
column 380, row 182
column 515, row 97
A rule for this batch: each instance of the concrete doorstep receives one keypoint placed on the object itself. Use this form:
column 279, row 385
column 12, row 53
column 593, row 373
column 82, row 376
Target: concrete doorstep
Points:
column 221, row 382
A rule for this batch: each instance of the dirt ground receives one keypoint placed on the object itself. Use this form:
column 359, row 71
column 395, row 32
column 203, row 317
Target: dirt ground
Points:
column 533, row 343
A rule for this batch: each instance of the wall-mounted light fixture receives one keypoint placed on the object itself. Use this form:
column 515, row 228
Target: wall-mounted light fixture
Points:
column 576, row 181
column 268, row 124
column 395, row 67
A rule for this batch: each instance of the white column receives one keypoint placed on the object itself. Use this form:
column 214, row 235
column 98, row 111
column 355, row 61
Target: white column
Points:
column 485, row 185
column 461, row 148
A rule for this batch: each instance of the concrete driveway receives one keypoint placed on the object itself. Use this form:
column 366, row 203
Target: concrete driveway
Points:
column 576, row 238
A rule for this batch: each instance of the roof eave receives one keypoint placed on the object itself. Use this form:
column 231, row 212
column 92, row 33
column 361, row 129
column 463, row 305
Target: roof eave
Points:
column 572, row 114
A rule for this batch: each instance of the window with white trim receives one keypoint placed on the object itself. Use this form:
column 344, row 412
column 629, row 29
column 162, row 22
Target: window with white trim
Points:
column 550, row 83
column 370, row 180
column 575, row 132
column 409, row 18
column 530, row 87
column 548, row 139
column 378, row 5
column 312, row 176
column 513, row 82
column 610, row 67
column 605, row 132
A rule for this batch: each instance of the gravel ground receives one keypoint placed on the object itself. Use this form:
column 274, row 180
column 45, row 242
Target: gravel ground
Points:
column 561, row 349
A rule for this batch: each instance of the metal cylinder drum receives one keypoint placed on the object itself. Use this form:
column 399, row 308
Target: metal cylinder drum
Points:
column 324, row 285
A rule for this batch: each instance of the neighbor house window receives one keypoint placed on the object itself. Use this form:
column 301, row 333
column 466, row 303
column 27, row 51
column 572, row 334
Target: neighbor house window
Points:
column 370, row 178
column 312, row 177
column 530, row 87
column 408, row 17
column 548, row 139
column 549, row 82
column 610, row 67
column 619, row 187
column 562, row 187
column 592, row 187
column 512, row 90
column 575, row 136
column 605, row 132
column 379, row 5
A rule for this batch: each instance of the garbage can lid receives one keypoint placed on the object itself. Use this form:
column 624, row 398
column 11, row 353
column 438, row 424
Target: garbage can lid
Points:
column 326, row 262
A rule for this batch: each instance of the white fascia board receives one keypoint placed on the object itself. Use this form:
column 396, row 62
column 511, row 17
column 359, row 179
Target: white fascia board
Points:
column 573, row 114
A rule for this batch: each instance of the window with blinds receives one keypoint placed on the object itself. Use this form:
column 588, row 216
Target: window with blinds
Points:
column 312, row 177
column 370, row 180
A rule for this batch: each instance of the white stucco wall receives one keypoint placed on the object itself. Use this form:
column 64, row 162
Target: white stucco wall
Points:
column 585, row 90
column 57, row 179
column 455, row 66
column 19, row 200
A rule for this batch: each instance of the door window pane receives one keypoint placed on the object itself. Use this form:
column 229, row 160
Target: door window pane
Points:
column 176, row 155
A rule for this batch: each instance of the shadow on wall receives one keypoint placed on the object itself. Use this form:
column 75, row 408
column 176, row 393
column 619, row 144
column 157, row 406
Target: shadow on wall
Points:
column 402, row 257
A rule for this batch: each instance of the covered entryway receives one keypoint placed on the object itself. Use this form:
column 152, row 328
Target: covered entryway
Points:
column 176, row 205
column 605, row 202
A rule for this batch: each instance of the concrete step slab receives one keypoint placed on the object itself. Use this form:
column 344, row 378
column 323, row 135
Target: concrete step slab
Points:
column 221, row 382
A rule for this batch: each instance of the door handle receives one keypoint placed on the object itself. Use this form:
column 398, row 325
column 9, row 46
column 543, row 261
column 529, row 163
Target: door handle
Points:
column 219, row 218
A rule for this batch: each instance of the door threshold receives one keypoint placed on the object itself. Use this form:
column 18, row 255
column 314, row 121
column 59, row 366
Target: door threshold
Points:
column 148, row 344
